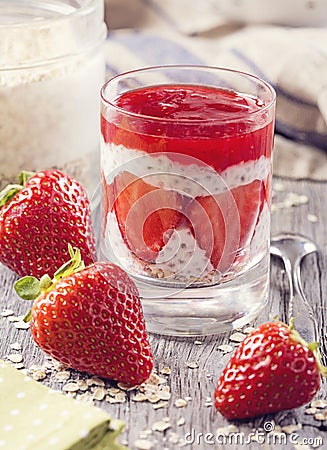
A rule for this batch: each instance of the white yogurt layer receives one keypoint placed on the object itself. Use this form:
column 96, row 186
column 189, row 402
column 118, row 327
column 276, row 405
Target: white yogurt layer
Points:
column 186, row 174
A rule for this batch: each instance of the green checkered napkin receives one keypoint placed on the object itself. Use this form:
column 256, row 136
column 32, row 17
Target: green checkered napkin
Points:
column 32, row 416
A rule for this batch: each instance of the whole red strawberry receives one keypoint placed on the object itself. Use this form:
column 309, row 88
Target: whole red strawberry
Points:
column 39, row 217
column 91, row 320
column 273, row 369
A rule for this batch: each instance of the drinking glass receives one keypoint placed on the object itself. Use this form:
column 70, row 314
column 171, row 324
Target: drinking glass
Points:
column 186, row 190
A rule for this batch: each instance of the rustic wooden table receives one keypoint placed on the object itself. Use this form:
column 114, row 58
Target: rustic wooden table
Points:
column 175, row 408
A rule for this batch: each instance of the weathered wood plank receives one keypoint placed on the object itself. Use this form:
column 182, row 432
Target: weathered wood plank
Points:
column 198, row 384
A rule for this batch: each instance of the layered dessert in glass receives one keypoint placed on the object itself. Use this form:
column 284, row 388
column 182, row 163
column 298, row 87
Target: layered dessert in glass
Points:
column 186, row 171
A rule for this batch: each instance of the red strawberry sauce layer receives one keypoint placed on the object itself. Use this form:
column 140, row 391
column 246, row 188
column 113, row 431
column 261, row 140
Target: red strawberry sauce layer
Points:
column 194, row 120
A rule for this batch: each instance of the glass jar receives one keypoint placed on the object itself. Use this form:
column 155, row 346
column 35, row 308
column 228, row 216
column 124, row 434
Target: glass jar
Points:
column 51, row 69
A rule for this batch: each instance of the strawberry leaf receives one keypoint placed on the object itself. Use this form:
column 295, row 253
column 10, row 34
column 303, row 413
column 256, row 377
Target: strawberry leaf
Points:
column 24, row 176
column 28, row 316
column 75, row 264
column 71, row 251
column 12, row 189
column 45, row 282
column 28, row 288
column 8, row 193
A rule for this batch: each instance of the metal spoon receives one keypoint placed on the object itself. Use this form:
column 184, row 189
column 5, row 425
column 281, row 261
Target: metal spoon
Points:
column 292, row 248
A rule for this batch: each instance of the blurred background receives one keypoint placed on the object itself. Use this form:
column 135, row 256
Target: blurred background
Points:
column 51, row 71
column 283, row 42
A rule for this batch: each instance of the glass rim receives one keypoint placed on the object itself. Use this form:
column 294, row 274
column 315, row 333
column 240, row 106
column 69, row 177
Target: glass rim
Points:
column 239, row 116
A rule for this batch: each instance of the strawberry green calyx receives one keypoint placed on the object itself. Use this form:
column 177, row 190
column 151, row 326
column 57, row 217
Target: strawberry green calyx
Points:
column 73, row 265
column 29, row 287
column 24, row 176
column 8, row 193
column 313, row 346
column 12, row 189
column 28, row 316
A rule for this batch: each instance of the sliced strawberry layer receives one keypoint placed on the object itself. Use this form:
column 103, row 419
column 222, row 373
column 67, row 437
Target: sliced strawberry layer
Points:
column 223, row 224
column 249, row 200
column 146, row 214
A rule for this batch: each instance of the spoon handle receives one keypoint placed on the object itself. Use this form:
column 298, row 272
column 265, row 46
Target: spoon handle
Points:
column 299, row 306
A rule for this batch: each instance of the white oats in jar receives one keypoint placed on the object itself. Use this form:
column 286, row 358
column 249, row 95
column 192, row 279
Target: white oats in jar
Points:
column 51, row 70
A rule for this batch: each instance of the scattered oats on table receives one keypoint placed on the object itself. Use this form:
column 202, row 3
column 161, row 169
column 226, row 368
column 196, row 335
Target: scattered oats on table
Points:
column 311, row 411
column 312, row 218
column 237, row 337
column 16, row 346
column 7, row 313
column 99, row 393
column 290, row 429
column 71, row 387
column 319, row 403
column 248, row 330
column 37, row 373
column 165, row 370
column 160, row 405
column 15, row 357
column 13, row 318
column 143, row 444
column 192, row 365
column 321, row 415
column 82, row 385
column 225, row 348
column 21, row 325
column 180, row 403
column 161, row 425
